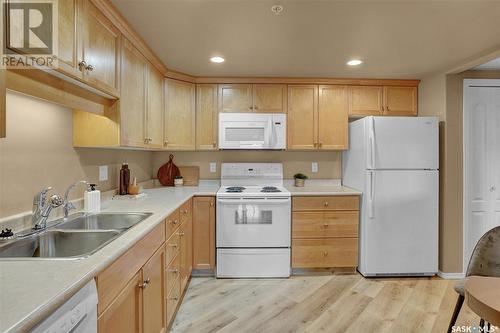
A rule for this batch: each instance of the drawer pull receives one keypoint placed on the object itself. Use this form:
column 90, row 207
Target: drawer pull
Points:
column 175, row 271
column 325, row 253
column 173, row 245
column 174, row 222
column 145, row 284
column 184, row 211
column 181, row 233
column 174, row 298
column 326, row 203
column 325, row 225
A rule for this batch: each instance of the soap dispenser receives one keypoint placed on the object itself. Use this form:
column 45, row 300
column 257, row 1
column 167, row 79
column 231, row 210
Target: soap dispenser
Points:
column 92, row 200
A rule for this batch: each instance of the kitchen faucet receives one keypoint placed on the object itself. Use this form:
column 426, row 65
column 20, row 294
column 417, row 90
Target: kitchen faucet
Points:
column 67, row 205
column 42, row 208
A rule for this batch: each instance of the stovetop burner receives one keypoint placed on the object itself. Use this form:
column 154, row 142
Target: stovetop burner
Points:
column 270, row 189
column 235, row 189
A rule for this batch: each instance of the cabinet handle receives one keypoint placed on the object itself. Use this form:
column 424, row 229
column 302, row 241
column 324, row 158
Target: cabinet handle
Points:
column 184, row 211
column 387, row 107
column 181, row 233
column 174, row 222
column 90, row 68
column 256, row 108
column 173, row 245
column 211, row 204
column 174, row 298
column 214, row 144
column 176, row 271
column 165, row 143
column 250, row 107
column 321, row 144
column 145, row 283
column 82, row 65
column 326, row 203
column 325, row 253
column 325, row 225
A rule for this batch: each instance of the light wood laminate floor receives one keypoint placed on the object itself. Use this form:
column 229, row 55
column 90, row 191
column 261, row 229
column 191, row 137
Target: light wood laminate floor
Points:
column 329, row 303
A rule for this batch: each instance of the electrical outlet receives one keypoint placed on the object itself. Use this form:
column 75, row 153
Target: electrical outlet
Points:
column 213, row 167
column 314, row 167
column 103, row 173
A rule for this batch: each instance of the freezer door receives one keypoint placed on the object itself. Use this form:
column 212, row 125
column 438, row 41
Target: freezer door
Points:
column 399, row 226
column 402, row 143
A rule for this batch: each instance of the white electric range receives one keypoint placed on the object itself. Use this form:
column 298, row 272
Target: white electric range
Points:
column 253, row 221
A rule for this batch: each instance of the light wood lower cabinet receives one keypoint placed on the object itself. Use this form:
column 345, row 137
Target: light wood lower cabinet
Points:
column 325, row 231
column 131, row 290
column 204, row 233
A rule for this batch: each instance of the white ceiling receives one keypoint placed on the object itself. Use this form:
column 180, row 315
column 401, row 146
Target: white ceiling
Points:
column 395, row 39
column 490, row 65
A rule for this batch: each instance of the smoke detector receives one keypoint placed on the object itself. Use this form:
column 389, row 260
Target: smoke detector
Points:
column 277, row 9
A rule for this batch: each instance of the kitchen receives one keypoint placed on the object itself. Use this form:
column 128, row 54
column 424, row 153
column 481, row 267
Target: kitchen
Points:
column 377, row 142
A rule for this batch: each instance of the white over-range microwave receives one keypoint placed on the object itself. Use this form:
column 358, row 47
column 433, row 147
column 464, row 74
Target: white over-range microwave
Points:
column 252, row 131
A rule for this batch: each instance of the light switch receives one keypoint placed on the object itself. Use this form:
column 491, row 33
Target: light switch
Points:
column 314, row 167
column 103, row 173
column 213, row 167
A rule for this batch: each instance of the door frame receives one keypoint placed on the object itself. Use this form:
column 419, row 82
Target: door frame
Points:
column 465, row 138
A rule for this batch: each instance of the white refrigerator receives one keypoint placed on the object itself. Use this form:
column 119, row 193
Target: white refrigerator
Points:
column 394, row 161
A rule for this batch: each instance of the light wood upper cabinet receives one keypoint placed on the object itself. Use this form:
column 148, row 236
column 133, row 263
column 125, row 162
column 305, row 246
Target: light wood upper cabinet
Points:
column 153, row 274
column 68, row 48
column 180, row 115
column 125, row 313
column 235, row 98
column 155, row 108
column 400, row 101
column 101, row 50
column 365, row 101
column 206, row 117
column 302, row 124
column 204, row 233
column 333, row 117
column 271, row 98
column 133, row 100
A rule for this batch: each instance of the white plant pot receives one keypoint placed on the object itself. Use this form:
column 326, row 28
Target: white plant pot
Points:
column 178, row 182
column 299, row 182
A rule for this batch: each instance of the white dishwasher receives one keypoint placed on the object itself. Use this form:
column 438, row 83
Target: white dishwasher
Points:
column 76, row 315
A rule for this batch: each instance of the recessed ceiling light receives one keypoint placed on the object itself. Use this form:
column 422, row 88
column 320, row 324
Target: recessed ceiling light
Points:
column 354, row 62
column 277, row 9
column 217, row 60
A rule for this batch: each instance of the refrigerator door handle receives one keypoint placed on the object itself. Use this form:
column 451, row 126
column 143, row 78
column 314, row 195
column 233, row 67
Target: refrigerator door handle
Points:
column 372, row 143
column 371, row 191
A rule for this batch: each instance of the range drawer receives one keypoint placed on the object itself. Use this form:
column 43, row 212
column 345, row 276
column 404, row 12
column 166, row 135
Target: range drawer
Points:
column 172, row 300
column 325, row 203
column 328, row 252
column 325, row 224
column 172, row 273
column 172, row 223
column 172, row 247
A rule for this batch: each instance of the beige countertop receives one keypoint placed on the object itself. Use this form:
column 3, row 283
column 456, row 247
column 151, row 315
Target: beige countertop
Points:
column 31, row 289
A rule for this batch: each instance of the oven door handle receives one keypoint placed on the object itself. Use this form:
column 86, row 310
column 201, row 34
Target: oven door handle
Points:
column 250, row 201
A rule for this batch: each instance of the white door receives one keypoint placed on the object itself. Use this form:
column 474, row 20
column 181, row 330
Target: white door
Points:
column 481, row 160
column 403, row 143
column 253, row 223
column 399, row 228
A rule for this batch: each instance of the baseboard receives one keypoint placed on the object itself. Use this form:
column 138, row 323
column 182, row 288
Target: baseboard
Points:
column 451, row 276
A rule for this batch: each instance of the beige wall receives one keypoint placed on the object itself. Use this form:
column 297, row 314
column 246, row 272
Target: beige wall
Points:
column 38, row 152
column 447, row 104
column 329, row 162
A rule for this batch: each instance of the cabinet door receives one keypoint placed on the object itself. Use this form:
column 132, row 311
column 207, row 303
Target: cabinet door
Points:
column 206, row 117
column 180, row 116
column 400, row 101
column 155, row 108
column 124, row 314
column 269, row 98
column 101, row 50
column 235, row 98
column 365, row 101
column 333, row 117
column 204, row 233
column 153, row 274
column 68, row 40
column 302, row 117
column 133, row 100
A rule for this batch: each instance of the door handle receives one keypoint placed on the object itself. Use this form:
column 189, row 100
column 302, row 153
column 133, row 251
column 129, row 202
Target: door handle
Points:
column 371, row 193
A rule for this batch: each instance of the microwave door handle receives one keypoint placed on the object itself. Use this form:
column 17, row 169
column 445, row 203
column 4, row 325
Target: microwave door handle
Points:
column 273, row 138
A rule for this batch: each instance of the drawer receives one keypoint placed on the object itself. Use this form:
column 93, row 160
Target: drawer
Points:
column 112, row 280
column 172, row 247
column 328, row 252
column 325, row 203
column 172, row 223
column 325, row 224
column 186, row 211
column 172, row 300
column 172, row 273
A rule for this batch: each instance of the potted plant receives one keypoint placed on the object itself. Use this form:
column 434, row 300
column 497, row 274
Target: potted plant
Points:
column 178, row 181
column 300, row 179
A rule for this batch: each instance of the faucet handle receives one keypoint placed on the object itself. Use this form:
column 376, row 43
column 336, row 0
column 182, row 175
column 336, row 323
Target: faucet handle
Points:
column 40, row 197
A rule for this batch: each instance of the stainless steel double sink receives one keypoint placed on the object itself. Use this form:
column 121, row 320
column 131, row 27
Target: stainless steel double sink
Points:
column 76, row 237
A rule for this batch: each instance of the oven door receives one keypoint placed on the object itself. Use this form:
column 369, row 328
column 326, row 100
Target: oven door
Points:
column 253, row 222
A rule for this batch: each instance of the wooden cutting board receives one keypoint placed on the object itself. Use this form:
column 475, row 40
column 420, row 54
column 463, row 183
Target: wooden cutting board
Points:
column 191, row 175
